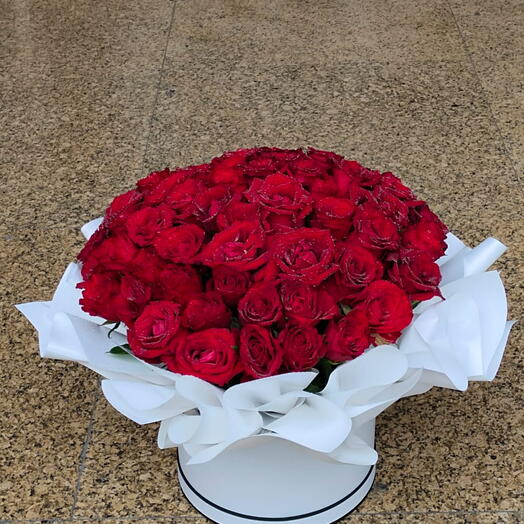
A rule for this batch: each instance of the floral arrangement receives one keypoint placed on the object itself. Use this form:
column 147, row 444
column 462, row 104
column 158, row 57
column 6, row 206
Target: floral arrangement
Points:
column 263, row 261
column 284, row 293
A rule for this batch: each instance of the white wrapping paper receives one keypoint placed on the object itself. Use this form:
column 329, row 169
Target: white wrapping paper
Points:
column 449, row 343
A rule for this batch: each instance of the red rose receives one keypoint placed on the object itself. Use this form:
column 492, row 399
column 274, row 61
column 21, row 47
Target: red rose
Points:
column 155, row 331
column 146, row 265
column 334, row 214
column 210, row 355
column 232, row 285
column 358, row 268
column 135, row 294
column 210, row 203
column 307, row 304
column 376, row 232
column 206, row 311
column 157, row 192
column 349, row 337
column 240, row 247
column 121, row 207
column 390, row 183
column 387, row 308
column 178, row 283
column 115, row 298
column 144, row 224
column 302, row 347
column 258, row 352
column 265, row 161
column 426, row 236
column 237, row 211
column 261, row 305
column 181, row 197
column 305, row 255
column 228, row 168
column 394, row 209
column 151, row 181
column 417, row 274
column 180, row 243
column 101, row 296
column 113, row 254
column 94, row 241
column 280, row 194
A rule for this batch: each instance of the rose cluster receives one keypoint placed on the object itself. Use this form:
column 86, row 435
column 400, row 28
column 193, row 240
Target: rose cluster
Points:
column 261, row 262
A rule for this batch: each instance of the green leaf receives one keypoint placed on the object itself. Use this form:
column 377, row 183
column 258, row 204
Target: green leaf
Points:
column 124, row 349
column 313, row 388
column 415, row 303
column 345, row 309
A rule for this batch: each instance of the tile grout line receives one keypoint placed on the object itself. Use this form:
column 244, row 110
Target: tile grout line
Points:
column 158, row 87
column 83, row 452
column 483, row 91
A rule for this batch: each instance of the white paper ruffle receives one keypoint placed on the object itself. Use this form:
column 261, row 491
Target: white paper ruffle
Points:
column 449, row 343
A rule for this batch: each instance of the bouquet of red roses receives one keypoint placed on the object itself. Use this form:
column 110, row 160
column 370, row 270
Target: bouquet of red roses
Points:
column 263, row 261
column 265, row 308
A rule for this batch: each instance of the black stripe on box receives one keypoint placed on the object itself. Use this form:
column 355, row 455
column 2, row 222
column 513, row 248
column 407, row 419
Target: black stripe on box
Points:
column 272, row 519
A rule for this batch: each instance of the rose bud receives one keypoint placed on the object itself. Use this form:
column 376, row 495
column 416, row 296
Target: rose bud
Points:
column 307, row 304
column 179, row 244
column 143, row 225
column 206, row 311
column 387, row 308
column 231, row 284
column 305, row 255
column 240, row 247
column 259, row 355
column 348, row 338
column 417, row 274
column 155, row 331
column 210, row 355
column 261, row 305
column 302, row 347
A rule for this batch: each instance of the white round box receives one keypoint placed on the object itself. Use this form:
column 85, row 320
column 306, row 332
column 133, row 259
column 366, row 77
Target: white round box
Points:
column 267, row 479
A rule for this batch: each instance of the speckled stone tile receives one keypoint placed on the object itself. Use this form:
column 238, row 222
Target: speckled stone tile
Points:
column 80, row 82
column 45, row 404
column 492, row 31
column 126, row 473
column 500, row 517
column 280, row 32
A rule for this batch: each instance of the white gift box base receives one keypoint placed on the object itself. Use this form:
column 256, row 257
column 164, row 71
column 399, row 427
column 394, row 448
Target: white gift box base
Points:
column 266, row 479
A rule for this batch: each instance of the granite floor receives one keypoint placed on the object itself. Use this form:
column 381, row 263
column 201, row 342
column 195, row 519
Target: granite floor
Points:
column 95, row 94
